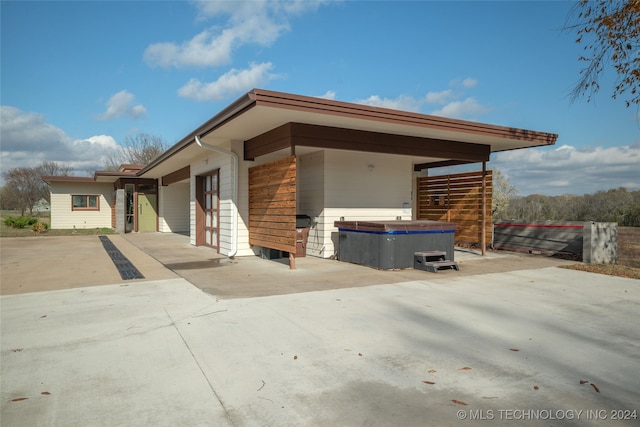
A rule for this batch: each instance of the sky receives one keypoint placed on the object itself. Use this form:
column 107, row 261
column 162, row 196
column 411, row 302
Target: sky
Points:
column 79, row 77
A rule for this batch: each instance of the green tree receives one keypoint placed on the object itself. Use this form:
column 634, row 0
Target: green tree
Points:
column 609, row 32
column 503, row 193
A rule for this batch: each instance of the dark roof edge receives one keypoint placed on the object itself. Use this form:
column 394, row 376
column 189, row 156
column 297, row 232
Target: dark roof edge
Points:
column 240, row 105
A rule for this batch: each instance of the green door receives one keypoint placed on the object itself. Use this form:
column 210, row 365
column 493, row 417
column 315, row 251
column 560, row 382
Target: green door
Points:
column 147, row 216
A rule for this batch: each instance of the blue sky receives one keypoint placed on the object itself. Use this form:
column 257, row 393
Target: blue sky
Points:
column 78, row 77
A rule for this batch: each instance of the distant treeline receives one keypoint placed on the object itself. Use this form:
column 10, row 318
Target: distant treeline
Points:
column 616, row 205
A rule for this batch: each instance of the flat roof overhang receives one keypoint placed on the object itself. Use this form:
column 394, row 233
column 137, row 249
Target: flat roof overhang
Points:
column 261, row 112
column 99, row 176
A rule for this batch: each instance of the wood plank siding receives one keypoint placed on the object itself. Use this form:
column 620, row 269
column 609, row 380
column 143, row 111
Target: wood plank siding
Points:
column 177, row 176
column 457, row 198
column 272, row 205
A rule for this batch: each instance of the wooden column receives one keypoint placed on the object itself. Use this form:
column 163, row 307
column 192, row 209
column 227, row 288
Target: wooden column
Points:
column 292, row 261
column 483, row 233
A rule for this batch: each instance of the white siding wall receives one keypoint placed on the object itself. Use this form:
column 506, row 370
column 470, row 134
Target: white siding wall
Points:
column 243, row 202
column 63, row 217
column 361, row 186
column 311, row 199
column 174, row 208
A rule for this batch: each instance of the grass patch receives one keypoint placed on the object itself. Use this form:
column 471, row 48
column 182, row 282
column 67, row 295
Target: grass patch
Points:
column 608, row 269
column 28, row 232
column 44, row 218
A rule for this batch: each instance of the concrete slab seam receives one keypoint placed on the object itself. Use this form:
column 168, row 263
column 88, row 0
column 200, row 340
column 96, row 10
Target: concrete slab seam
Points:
column 226, row 412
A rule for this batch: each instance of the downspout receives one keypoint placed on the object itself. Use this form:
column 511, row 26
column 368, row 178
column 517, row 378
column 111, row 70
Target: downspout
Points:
column 234, row 191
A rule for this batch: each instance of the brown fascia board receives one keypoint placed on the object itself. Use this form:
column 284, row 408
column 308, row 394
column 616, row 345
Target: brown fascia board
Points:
column 326, row 137
column 260, row 97
column 440, row 164
column 115, row 173
column 130, row 167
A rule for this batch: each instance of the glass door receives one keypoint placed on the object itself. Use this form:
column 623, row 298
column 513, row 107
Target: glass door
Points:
column 211, row 206
column 130, row 207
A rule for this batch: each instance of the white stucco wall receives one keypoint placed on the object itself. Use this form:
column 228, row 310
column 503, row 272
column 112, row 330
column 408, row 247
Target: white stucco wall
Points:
column 174, row 208
column 63, row 217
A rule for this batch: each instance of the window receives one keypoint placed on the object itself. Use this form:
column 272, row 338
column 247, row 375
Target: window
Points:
column 85, row 203
column 146, row 188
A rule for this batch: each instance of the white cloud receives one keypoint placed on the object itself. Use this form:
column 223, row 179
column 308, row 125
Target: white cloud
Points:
column 28, row 140
column 469, row 82
column 120, row 104
column 248, row 22
column 205, row 49
column 330, row 94
column 24, row 131
column 402, row 102
column 571, row 170
column 453, row 102
column 233, row 81
column 468, row 107
column 441, row 97
column 241, row 10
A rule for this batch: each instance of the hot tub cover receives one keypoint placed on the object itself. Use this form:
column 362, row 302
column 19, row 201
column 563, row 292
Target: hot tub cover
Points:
column 397, row 227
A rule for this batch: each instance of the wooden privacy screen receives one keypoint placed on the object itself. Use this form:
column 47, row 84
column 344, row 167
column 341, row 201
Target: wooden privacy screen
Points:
column 272, row 205
column 457, row 198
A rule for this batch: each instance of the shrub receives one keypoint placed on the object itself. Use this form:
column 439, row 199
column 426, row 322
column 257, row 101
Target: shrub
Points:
column 20, row 221
column 40, row 227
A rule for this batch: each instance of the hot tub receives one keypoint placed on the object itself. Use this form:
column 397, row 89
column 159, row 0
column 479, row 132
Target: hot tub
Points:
column 390, row 245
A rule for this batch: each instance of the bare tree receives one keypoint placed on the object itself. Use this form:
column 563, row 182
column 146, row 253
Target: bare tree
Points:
column 8, row 199
column 615, row 205
column 609, row 31
column 24, row 186
column 54, row 169
column 139, row 150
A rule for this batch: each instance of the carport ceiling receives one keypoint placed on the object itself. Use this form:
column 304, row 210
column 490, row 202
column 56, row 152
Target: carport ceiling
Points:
column 260, row 111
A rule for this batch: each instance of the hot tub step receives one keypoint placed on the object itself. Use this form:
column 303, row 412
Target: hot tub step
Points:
column 433, row 261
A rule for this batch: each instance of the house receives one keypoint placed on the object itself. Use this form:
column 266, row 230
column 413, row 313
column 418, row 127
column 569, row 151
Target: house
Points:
column 89, row 202
column 237, row 182
column 41, row 206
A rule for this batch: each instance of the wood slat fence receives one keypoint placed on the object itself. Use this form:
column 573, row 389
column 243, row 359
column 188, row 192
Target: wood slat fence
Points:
column 272, row 205
column 457, row 198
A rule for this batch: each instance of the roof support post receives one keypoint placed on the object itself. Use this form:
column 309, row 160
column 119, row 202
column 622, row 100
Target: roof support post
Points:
column 483, row 232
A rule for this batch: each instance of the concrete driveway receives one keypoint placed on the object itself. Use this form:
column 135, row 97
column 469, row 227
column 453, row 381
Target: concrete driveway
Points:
column 530, row 345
